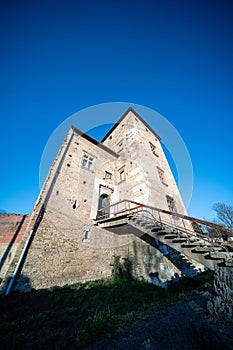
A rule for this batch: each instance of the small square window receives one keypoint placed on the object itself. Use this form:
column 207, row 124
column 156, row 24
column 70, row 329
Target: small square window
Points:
column 122, row 174
column 108, row 175
column 161, row 176
column 171, row 204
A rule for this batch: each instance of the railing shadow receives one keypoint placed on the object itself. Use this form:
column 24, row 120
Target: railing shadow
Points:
column 171, row 254
column 10, row 245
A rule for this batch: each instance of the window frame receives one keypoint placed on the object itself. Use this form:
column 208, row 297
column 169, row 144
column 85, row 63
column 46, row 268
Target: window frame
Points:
column 108, row 175
column 87, row 161
column 161, row 174
column 171, row 204
column 153, row 149
column 122, row 174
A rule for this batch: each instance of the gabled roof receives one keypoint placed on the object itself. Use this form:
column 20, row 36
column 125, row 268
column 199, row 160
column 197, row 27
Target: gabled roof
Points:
column 94, row 141
column 130, row 109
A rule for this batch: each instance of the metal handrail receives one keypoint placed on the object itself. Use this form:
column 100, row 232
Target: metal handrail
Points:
column 127, row 209
column 191, row 233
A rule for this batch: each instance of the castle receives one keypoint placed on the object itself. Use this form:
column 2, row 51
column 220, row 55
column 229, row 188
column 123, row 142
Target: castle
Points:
column 65, row 244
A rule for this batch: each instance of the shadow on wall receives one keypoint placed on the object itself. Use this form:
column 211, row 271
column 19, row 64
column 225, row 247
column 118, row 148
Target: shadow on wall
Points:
column 177, row 258
column 10, row 245
column 123, row 268
column 171, row 254
column 23, row 284
column 18, row 278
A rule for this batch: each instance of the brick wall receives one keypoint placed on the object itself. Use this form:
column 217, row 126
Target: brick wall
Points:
column 12, row 228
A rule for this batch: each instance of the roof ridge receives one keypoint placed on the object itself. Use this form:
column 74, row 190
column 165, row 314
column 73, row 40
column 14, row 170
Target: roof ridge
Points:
column 129, row 109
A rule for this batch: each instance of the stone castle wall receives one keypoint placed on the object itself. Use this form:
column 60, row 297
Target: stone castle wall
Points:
column 54, row 259
column 67, row 246
column 140, row 147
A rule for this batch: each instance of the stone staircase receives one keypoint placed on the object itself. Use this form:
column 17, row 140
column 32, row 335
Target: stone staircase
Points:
column 187, row 266
column 212, row 253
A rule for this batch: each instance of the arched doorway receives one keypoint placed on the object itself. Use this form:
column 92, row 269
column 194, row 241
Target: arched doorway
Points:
column 104, row 201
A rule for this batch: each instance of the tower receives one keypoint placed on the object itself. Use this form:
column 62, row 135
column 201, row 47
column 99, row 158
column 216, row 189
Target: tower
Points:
column 85, row 180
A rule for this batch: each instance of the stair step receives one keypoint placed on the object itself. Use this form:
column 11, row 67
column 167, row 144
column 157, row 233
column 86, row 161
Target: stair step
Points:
column 150, row 225
column 170, row 230
column 209, row 257
column 222, row 255
column 157, row 229
column 229, row 263
column 190, row 244
column 161, row 232
column 208, row 249
column 174, row 236
column 179, row 240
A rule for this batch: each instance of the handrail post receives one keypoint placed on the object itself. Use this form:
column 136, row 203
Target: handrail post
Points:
column 128, row 203
column 183, row 223
column 160, row 218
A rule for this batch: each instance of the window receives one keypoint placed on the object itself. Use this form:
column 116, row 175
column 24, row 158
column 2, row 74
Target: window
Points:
column 108, row 175
column 153, row 149
column 122, row 174
column 161, row 176
column 87, row 161
column 103, row 207
column 171, row 204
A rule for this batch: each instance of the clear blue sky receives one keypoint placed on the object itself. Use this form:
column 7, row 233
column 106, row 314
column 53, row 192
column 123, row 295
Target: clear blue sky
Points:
column 58, row 57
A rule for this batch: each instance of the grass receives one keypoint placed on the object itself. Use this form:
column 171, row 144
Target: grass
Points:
column 75, row 316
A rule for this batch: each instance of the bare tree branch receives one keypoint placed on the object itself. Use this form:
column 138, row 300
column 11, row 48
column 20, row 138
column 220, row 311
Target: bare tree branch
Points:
column 224, row 214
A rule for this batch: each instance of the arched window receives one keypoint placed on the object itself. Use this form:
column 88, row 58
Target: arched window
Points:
column 104, row 202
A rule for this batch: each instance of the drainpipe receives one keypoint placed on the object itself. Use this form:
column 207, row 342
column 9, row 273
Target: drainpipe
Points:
column 19, row 263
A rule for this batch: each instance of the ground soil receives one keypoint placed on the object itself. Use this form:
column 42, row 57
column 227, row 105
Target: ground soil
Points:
column 186, row 325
